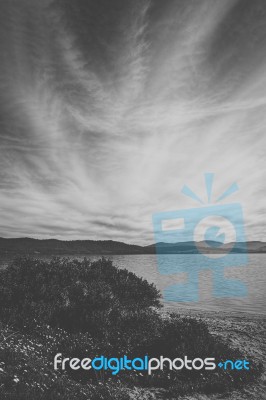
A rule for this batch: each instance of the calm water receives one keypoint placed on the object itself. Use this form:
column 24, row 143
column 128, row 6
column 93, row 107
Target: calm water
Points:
column 253, row 275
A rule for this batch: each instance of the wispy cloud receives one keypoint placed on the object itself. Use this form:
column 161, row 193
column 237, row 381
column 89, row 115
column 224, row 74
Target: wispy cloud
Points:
column 108, row 109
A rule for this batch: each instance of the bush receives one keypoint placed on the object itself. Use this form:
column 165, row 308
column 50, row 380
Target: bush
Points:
column 83, row 308
column 79, row 296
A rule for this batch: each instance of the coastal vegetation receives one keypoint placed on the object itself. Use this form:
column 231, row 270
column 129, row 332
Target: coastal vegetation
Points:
column 86, row 309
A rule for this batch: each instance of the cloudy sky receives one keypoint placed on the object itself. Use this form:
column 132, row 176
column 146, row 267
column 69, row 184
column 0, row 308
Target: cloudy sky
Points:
column 108, row 107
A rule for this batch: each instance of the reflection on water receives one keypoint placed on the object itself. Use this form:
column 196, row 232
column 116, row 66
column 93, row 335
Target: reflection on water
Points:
column 203, row 288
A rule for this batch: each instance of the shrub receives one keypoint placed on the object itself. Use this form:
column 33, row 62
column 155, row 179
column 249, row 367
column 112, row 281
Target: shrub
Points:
column 74, row 295
column 83, row 308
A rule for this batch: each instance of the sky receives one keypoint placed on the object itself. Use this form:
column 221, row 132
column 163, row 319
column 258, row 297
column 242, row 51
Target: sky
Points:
column 108, row 108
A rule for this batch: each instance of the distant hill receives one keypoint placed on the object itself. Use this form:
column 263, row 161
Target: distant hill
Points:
column 54, row 246
column 108, row 247
column 189, row 247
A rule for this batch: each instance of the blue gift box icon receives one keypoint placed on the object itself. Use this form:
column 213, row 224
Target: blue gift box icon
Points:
column 203, row 232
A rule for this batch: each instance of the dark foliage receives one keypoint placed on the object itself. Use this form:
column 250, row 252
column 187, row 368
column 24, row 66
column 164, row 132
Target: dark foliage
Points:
column 79, row 296
column 83, row 308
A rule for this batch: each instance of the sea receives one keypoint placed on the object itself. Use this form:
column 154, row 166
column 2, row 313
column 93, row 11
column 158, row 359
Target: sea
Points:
column 204, row 298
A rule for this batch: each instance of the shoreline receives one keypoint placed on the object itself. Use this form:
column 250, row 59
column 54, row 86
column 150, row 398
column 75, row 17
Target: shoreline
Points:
column 243, row 331
column 216, row 313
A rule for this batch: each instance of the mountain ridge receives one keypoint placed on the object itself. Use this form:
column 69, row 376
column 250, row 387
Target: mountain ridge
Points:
column 52, row 246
